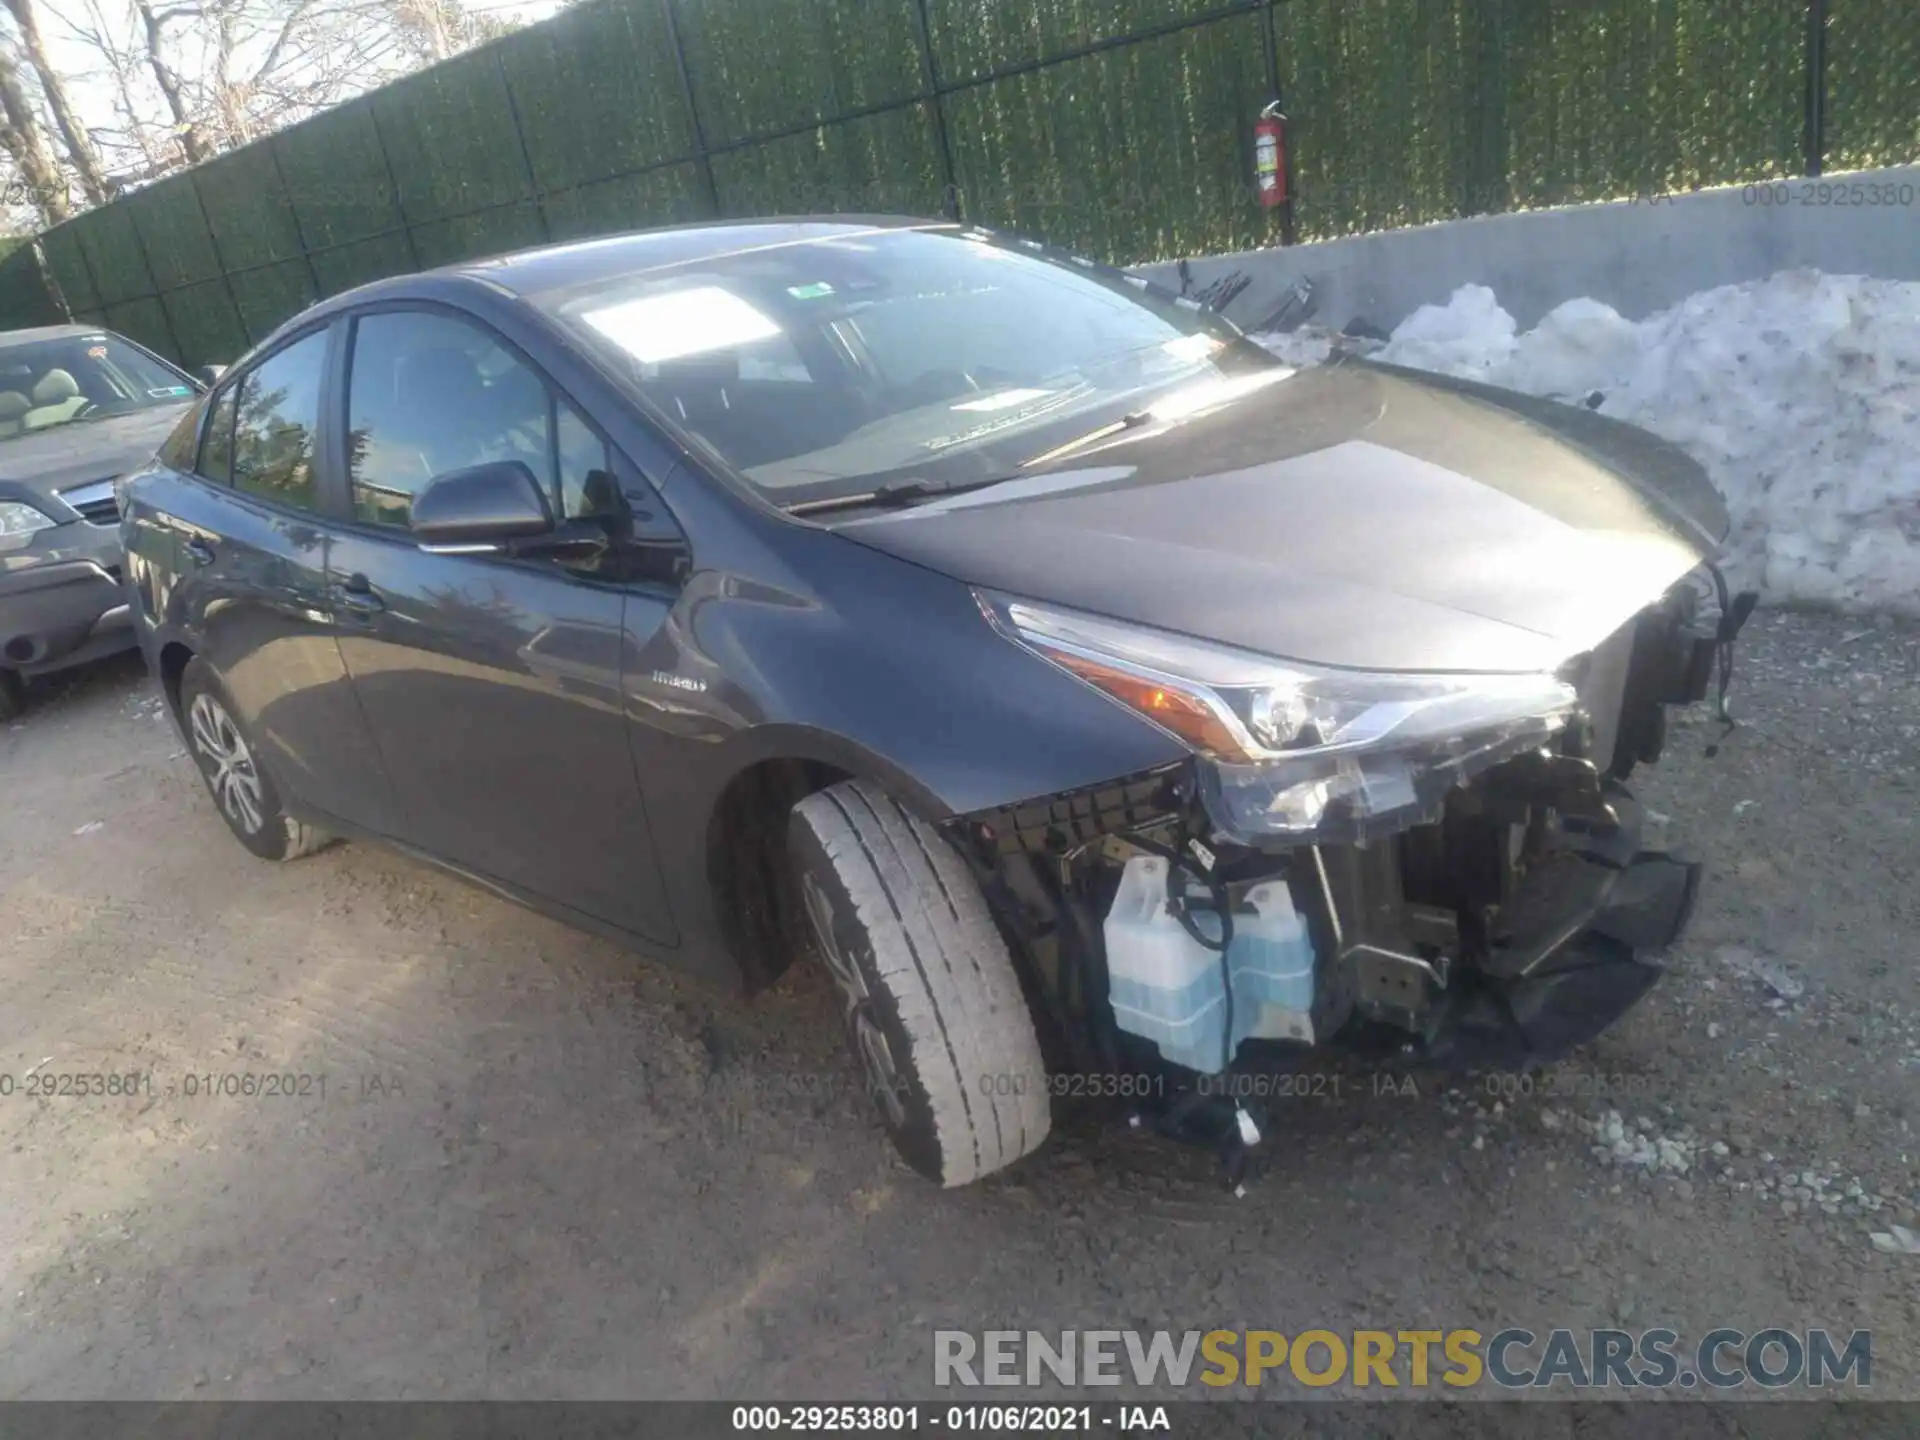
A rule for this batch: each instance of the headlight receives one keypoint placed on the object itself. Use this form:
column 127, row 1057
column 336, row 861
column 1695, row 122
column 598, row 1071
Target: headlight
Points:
column 1300, row 752
column 18, row 520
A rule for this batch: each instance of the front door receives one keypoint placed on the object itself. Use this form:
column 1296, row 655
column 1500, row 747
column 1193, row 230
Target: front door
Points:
column 492, row 685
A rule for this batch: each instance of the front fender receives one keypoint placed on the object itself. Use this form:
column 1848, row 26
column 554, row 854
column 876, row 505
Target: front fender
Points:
column 810, row 745
column 879, row 666
column 821, row 650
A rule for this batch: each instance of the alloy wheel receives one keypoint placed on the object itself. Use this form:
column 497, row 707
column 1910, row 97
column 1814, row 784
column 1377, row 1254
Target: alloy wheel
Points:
column 228, row 763
column 869, row 1040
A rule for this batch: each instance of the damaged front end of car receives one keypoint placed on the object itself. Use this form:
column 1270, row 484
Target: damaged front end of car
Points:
column 1440, row 868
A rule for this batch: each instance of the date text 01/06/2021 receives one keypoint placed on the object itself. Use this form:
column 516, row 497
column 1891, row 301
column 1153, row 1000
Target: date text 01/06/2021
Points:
column 47, row 1085
column 1113, row 1419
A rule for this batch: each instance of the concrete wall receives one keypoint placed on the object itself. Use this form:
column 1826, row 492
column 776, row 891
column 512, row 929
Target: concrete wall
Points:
column 1638, row 256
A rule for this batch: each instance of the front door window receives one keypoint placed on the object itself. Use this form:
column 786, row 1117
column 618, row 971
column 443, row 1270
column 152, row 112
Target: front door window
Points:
column 431, row 394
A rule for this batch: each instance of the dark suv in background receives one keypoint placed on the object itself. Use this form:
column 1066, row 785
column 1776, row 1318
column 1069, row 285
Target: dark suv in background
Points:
column 79, row 408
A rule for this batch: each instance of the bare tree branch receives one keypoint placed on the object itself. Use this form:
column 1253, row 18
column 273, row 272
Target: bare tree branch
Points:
column 21, row 138
column 185, row 80
column 171, row 87
column 271, row 62
column 80, row 149
column 155, row 153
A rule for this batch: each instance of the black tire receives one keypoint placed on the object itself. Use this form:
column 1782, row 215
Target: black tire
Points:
column 934, row 1009
column 242, row 790
column 13, row 695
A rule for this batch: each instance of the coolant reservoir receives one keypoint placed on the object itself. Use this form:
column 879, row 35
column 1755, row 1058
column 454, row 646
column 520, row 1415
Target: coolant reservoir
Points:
column 1164, row 984
column 1271, row 961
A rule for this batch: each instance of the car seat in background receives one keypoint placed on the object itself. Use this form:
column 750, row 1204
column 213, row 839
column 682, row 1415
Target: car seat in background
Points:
column 13, row 409
column 697, row 389
column 706, row 394
column 599, row 494
column 56, row 399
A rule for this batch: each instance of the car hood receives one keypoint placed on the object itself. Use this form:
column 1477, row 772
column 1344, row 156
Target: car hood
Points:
column 63, row 456
column 1350, row 515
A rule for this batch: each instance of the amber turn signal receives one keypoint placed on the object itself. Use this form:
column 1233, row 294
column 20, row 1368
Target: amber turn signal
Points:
column 1185, row 714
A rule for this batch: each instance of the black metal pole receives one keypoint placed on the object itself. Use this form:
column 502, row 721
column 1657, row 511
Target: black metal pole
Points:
column 272, row 142
column 393, row 183
column 93, row 279
column 701, row 157
column 930, row 75
column 154, row 292
column 526, row 155
column 219, row 260
column 1815, row 142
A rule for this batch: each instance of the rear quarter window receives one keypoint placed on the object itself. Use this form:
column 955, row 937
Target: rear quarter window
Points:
column 216, row 448
column 184, row 443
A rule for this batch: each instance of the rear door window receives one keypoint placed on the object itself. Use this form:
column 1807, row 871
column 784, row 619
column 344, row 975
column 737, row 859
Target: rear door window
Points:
column 277, row 426
column 216, row 445
column 183, row 444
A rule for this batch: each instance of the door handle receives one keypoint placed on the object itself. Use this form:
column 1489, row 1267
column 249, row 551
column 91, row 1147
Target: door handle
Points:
column 357, row 594
column 199, row 551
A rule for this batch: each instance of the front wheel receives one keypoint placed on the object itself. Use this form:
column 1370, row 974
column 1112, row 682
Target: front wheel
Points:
column 13, row 695
column 932, row 1004
column 242, row 790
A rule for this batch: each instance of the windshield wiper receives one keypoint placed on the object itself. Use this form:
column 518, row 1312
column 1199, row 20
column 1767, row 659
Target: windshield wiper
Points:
column 1132, row 420
column 100, row 412
column 893, row 493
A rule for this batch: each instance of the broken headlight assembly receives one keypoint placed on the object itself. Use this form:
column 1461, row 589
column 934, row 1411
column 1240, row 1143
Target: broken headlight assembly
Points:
column 1300, row 754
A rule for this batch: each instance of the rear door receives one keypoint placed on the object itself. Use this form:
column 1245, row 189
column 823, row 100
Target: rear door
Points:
column 492, row 685
column 249, row 548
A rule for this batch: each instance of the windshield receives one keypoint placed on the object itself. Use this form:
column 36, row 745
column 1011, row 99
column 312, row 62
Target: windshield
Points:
column 830, row 366
column 73, row 378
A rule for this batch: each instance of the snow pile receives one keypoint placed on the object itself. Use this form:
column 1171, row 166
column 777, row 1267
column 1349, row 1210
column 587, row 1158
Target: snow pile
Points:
column 1581, row 347
column 1800, row 394
column 1308, row 345
column 1470, row 336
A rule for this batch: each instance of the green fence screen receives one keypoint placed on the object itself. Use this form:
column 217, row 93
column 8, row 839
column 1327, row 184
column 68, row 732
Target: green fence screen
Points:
column 1120, row 127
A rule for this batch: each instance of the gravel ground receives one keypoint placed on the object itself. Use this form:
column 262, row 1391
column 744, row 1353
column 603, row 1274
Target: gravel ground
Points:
column 541, row 1167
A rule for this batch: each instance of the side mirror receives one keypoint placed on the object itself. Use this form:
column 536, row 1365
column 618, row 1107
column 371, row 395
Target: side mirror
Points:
column 480, row 510
column 209, row 375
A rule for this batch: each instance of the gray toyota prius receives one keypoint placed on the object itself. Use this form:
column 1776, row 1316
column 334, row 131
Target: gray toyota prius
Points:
column 79, row 408
column 1111, row 708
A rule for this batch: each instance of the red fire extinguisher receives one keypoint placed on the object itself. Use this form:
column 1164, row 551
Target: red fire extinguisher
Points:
column 1270, row 157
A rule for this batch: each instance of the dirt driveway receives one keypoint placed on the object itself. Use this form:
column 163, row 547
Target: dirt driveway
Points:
column 539, row 1167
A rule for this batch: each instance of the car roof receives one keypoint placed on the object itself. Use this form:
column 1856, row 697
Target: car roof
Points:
column 550, row 270
column 52, row 332
column 529, row 273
